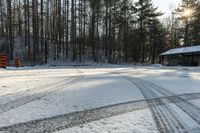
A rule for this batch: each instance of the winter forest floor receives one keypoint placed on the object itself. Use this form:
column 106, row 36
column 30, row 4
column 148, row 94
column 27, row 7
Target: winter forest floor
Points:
column 101, row 99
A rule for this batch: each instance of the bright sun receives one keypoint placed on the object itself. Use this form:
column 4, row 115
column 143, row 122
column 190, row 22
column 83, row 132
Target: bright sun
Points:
column 187, row 12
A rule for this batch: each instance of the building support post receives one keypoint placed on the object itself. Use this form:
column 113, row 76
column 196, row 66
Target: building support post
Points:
column 184, row 60
column 161, row 58
column 192, row 57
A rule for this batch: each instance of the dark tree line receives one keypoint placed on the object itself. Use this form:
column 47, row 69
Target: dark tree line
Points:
column 111, row 31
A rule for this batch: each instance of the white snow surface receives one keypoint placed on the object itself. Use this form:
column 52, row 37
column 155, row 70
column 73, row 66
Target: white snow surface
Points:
column 134, row 122
column 99, row 87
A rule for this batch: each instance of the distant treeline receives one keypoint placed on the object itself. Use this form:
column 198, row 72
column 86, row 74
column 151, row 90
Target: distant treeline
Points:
column 98, row 30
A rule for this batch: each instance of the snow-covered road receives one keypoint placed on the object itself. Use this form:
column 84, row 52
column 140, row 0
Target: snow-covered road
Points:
column 100, row 99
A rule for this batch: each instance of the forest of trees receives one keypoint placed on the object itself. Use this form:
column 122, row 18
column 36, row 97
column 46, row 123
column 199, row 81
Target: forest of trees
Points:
column 113, row 31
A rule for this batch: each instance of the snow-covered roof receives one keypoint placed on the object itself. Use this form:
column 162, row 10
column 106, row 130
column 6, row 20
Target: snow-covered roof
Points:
column 183, row 50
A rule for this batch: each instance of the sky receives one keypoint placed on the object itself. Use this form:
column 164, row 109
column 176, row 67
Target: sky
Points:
column 163, row 5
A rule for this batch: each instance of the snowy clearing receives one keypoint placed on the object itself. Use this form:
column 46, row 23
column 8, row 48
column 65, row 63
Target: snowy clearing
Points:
column 100, row 99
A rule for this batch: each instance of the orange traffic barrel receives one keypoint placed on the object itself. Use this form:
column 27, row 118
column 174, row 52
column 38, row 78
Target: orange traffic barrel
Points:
column 3, row 61
column 17, row 62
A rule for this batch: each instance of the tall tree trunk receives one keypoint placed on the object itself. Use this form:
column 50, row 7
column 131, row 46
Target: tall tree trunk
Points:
column 84, row 27
column 73, row 30
column 41, row 26
column 28, row 32
column 67, row 30
column 106, row 30
column 25, row 28
column 35, row 29
column 59, row 27
column 186, row 37
column 10, row 31
column 47, row 30
column 92, row 35
column 110, row 32
column 80, row 30
column 19, row 20
column 2, row 20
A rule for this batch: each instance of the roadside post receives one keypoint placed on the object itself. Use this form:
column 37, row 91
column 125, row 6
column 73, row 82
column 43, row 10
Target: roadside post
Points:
column 3, row 61
column 17, row 62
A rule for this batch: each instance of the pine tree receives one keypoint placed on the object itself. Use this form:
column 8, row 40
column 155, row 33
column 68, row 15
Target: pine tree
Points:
column 95, row 8
column 196, row 26
column 186, row 12
column 145, row 11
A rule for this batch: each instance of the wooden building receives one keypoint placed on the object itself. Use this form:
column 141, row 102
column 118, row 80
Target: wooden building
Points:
column 185, row 56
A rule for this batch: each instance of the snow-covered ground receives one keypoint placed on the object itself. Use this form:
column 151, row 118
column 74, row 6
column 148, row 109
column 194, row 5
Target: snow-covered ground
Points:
column 100, row 99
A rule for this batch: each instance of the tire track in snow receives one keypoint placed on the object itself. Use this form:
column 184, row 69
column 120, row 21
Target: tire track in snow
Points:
column 189, row 108
column 165, row 117
column 24, row 97
column 65, row 121
column 186, row 106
